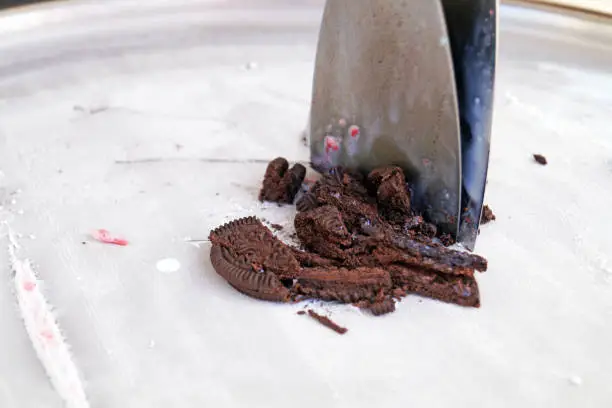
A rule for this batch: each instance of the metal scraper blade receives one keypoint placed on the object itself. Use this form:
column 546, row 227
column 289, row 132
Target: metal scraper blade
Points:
column 384, row 93
column 472, row 27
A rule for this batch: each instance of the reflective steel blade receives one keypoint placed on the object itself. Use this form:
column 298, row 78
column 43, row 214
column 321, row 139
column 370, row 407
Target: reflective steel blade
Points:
column 384, row 93
column 472, row 28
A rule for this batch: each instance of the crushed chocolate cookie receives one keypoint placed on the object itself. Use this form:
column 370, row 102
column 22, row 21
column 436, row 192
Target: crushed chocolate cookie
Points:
column 362, row 244
column 487, row 215
column 276, row 227
column 540, row 159
column 327, row 322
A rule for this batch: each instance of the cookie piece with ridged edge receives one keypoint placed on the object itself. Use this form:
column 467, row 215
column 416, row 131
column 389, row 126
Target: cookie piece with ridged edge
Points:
column 248, row 256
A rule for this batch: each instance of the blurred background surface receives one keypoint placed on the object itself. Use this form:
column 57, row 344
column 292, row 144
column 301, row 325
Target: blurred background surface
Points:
column 597, row 5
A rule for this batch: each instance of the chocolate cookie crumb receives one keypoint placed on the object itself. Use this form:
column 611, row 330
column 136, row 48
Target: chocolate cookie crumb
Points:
column 301, row 312
column 327, row 322
column 487, row 215
column 540, row 159
column 276, row 227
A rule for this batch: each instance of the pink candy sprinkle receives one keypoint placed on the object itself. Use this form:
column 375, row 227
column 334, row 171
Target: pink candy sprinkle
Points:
column 29, row 286
column 47, row 334
column 103, row 235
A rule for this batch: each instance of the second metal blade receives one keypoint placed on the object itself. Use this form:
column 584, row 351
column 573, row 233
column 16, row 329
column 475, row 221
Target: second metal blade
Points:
column 472, row 27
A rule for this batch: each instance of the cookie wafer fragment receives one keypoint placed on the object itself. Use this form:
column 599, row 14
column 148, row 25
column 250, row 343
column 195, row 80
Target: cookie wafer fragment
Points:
column 248, row 256
column 281, row 183
column 342, row 284
column 461, row 290
column 245, row 279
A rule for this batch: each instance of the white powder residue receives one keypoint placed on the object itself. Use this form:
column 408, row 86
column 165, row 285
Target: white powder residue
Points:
column 44, row 332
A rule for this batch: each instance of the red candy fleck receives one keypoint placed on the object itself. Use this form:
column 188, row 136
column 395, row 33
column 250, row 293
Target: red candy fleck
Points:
column 103, row 235
column 29, row 286
column 331, row 144
column 354, row 131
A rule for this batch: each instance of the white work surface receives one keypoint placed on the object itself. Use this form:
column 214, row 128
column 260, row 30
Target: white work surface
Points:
column 154, row 120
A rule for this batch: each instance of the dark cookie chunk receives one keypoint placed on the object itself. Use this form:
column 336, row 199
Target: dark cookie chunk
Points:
column 281, row 183
column 401, row 248
column 461, row 290
column 391, row 193
column 378, row 308
column 322, row 230
column 487, row 215
column 432, row 255
column 344, row 191
column 383, row 307
column 342, row 284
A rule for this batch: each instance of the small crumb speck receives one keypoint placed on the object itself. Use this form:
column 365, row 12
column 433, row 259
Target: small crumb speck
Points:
column 540, row 159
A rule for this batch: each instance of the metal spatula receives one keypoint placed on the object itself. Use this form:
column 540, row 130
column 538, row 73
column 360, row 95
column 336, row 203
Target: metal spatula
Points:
column 385, row 93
